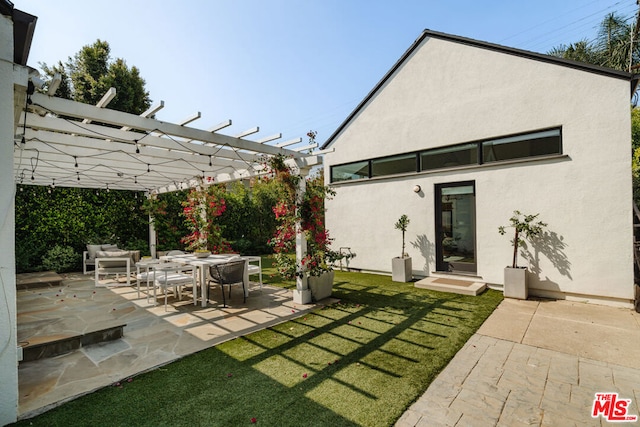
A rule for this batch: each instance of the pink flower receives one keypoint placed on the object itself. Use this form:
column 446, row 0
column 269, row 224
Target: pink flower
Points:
column 253, row 420
column 304, row 375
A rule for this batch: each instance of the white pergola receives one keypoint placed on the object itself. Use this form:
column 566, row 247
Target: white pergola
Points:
column 65, row 143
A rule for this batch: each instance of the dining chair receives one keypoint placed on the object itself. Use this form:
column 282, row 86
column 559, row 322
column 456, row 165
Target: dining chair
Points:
column 227, row 274
column 145, row 273
column 175, row 276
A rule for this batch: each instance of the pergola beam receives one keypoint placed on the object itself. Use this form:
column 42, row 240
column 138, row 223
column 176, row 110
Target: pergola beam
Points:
column 104, row 101
column 289, row 142
column 62, row 128
column 269, row 138
column 74, row 109
column 148, row 113
column 248, row 132
column 220, row 126
column 190, row 119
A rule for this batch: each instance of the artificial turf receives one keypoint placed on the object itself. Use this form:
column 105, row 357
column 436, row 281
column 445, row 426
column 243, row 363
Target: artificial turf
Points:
column 359, row 362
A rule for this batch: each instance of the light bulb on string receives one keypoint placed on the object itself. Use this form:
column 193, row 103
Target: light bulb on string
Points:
column 210, row 164
column 75, row 158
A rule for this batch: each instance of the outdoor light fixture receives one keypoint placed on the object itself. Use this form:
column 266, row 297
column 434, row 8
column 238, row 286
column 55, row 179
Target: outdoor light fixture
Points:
column 416, row 189
column 54, row 84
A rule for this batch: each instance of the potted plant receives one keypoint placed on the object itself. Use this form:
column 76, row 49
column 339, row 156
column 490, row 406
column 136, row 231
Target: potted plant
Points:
column 401, row 266
column 515, row 277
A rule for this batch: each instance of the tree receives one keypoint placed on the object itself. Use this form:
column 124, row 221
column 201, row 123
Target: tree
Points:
column 90, row 73
column 615, row 45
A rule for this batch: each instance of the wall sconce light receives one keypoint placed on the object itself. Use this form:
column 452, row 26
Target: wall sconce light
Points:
column 416, row 189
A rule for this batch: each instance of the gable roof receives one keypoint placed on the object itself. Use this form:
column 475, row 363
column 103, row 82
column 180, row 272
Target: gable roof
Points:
column 582, row 66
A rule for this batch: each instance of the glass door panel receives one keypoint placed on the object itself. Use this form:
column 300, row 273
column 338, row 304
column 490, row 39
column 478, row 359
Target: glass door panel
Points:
column 455, row 228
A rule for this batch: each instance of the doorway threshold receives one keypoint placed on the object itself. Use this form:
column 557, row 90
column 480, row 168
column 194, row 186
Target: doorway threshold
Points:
column 464, row 286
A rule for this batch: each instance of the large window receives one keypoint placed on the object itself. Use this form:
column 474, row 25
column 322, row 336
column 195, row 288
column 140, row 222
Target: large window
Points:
column 449, row 157
column 521, row 146
column 350, row 171
column 391, row 165
column 526, row 145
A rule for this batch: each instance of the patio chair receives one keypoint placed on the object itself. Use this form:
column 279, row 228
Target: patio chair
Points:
column 227, row 274
column 255, row 269
column 145, row 273
column 175, row 276
column 115, row 262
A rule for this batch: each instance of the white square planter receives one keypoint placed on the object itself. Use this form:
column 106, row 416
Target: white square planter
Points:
column 321, row 286
column 515, row 283
column 401, row 269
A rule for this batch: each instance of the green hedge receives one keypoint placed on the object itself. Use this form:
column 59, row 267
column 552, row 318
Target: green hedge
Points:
column 72, row 218
column 54, row 224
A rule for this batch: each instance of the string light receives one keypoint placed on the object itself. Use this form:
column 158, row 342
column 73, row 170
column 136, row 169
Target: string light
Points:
column 148, row 167
column 137, row 148
column 75, row 158
column 210, row 164
column 135, row 179
column 78, row 175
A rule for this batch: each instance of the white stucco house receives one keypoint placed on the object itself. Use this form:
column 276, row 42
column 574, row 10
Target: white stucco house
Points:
column 459, row 134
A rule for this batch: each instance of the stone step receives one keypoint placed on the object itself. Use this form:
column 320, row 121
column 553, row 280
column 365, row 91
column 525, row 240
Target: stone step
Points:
column 41, row 279
column 40, row 347
column 456, row 286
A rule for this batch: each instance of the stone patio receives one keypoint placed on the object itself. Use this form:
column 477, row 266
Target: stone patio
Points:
column 152, row 336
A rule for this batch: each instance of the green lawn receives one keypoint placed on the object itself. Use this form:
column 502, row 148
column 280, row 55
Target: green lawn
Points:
column 360, row 362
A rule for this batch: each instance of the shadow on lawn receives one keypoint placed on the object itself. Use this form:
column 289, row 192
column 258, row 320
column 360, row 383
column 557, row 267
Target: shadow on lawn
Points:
column 361, row 361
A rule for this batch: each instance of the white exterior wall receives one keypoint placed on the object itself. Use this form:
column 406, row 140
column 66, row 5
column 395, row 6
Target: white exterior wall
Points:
column 447, row 93
column 8, row 328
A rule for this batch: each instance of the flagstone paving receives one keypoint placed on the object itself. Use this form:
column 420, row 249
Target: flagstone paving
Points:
column 152, row 336
column 537, row 363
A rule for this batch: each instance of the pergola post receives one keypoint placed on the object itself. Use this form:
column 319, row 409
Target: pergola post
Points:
column 153, row 238
column 302, row 293
column 13, row 87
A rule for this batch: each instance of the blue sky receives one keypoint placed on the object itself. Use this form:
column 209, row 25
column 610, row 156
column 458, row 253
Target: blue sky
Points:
column 289, row 66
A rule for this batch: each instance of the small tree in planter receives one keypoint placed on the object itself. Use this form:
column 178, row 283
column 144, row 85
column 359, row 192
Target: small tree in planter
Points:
column 515, row 278
column 401, row 269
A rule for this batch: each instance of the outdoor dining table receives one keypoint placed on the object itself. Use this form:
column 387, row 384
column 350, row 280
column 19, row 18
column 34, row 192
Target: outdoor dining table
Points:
column 202, row 264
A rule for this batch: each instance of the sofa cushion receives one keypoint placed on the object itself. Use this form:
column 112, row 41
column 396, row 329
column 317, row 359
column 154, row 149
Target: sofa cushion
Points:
column 92, row 249
column 110, row 247
column 105, row 263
